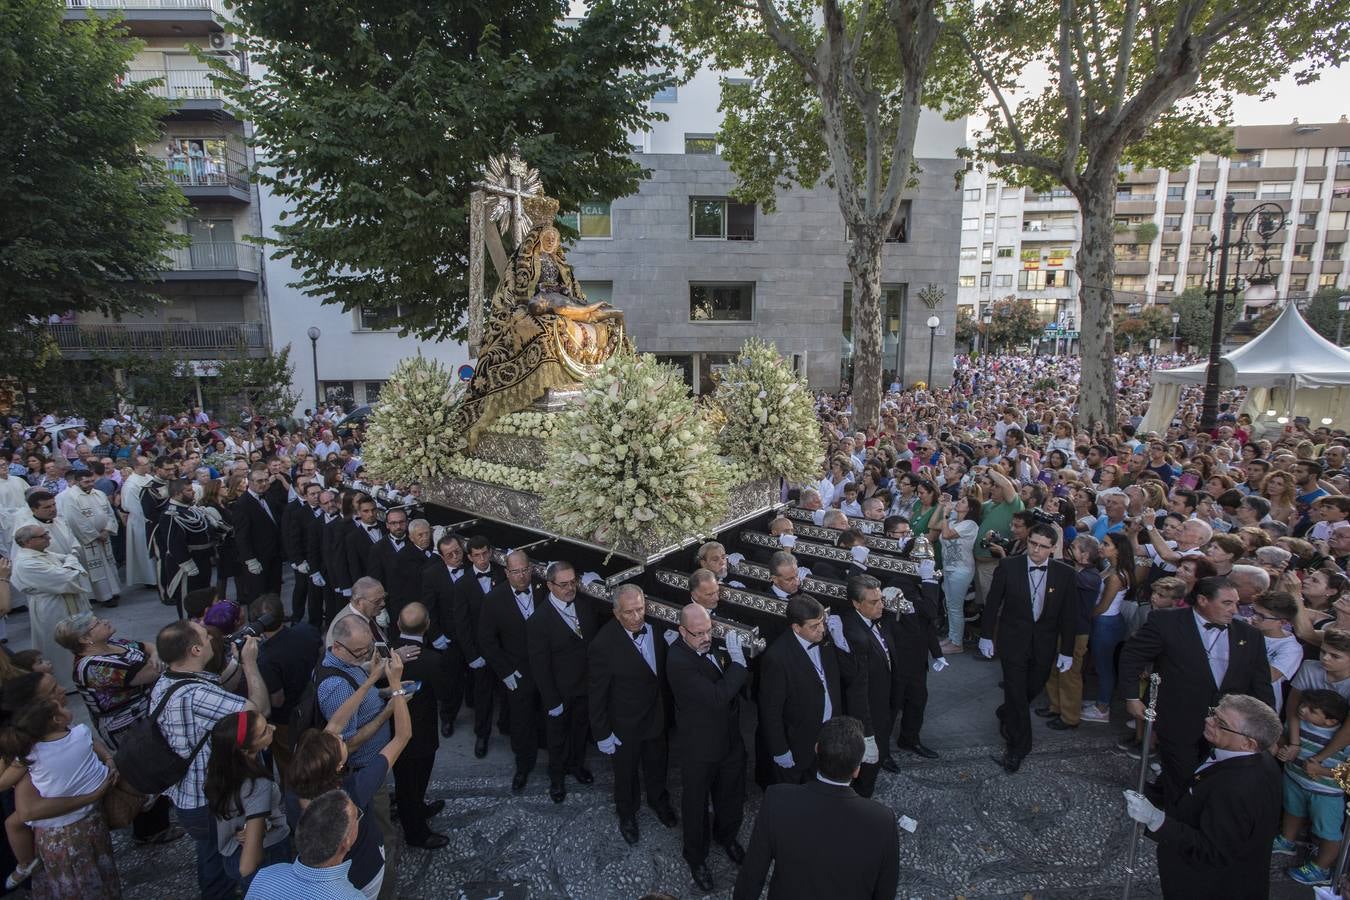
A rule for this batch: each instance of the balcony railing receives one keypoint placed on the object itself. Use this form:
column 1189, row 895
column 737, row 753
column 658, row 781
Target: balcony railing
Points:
column 206, row 171
column 213, row 5
column 208, row 256
column 179, row 84
column 114, row 338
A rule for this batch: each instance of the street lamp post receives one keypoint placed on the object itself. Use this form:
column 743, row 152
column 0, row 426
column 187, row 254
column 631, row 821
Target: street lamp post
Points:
column 1070, row 322
column 1176, row 320
column 1342, row 304
column 1268, row 219
column 314, row 334
column 933, row 323
column 987, row 317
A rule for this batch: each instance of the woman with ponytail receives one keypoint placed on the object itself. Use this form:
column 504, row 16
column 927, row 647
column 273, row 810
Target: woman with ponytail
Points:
column 251, row 828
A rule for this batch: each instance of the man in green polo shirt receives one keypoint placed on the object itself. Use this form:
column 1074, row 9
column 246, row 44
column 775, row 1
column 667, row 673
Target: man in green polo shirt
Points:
column 997, row 517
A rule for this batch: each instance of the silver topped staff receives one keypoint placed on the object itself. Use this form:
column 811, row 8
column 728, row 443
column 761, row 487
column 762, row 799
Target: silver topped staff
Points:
column 1150, row 714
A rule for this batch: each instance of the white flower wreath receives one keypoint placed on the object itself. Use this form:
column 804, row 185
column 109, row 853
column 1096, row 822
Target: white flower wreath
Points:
column 770, row 419
column 408, row 436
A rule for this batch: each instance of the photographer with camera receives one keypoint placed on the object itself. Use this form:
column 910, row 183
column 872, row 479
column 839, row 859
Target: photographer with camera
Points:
column 995, row 519
column 286, row 661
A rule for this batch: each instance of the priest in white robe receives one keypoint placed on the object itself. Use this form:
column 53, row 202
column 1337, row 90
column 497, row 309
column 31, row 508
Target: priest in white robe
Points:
column 12, row 501
column 42, row 511
column 56, row 587
column 89, row 515
column 140, row 567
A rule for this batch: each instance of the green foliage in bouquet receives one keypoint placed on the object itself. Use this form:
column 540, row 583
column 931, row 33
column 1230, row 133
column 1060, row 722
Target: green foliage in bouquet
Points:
column 770, row 418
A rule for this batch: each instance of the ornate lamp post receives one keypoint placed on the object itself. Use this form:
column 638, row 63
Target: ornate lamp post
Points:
column 314, row 334
column 986, row 317
column 1176, row 320
column 1267, row 220
column 933, row 323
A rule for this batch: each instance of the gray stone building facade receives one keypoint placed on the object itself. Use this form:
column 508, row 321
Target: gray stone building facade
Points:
column 697, row 274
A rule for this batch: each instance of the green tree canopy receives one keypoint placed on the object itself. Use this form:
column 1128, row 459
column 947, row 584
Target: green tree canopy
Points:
column 373, row 120
column 1323, row 312
column 1014, row 323
column 86, row 214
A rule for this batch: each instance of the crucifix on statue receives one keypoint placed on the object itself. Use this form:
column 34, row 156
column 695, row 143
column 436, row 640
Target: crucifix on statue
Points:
column 507, row 183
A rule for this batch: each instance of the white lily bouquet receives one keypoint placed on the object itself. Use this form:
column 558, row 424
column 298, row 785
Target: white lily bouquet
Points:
column 635, row 460
column 408, row 436
column 770, row 418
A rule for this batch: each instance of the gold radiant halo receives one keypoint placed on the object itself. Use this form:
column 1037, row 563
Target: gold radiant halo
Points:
column 497, row 174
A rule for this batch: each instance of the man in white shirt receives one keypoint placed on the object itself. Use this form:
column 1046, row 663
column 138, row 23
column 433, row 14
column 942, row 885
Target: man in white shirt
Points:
column 88, row 514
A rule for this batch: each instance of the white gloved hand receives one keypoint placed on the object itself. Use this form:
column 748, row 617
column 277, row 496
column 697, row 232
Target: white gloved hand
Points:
column 588, row 577
column 835, row 625
column 303, row 568
column 818, row 517
column 555, row 711
column 441, row 642
column 785, row 761
column 190, row 569
column 511, row 681
column 940, row 663
column 316, row 579
column 1063, row 663
column 735, row 647
column 478, row 663
column 609, row 745
column 735, row 559
column 870, row 754
column 254, row 567
column 803, row 573
column 927, row 571
column 671, row 635
column 787, row 540
column 986, row 648
column 1142, row 811
column 859, row 554
column 346, row 592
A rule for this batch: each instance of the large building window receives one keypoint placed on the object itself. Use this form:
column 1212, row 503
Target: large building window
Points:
column 972, row 193
column 377, row 319
column 1042, row 279
column 972, row 224
column 596, row 291
column 700, row 144
column 1002, row 281
column 724, row 302
column 965, row 281
column 669, row 94
column 892, row 331
column 592, row 220
column 721, row 219
column 1333, row 251
column 1343, row 156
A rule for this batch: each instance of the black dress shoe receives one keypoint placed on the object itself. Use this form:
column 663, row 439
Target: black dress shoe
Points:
column 1008, row 762
column 702, row 877
column 434, row 808
column 480, row 747
column 432, row 841
column 1059, row 724
column 629, row 829
column 735, row 852
column 557, row 792
column 1045, row 712
column 889, row 764
column 666, row 815
column 518, row 782
column 447, row 729
column 112, row 602
column 918, row 749
column 583, row 775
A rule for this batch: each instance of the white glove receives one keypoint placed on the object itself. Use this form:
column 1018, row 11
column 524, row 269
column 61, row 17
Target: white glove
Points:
column 190, row 569
column 927, row 571
column 785, row 761
column 1142, row 811
column 254, row 567
column 859, row 554
column 588, row 577
column 986, row 648
column 940, row 663
column 803, row 573
column 441, row 642
column 1063, row 663
column 346, row 592
column 787, row 540
column 836, row 629
column 735, row 559
column 609, row 745
column 303, row 568
column 870, row 750
column 555, row 711
column 818, row 517
column 478, row 663
column 511, row 681
column 671, row 635
column 735, row 647
column 316, row 579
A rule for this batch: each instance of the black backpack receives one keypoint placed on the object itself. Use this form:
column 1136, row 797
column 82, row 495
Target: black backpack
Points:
column 144, row 758
column 307, row 713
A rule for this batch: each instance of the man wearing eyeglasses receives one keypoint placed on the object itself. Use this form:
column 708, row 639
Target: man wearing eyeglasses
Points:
column 1201, row 653
column 1029, row 616
column 1215, row 841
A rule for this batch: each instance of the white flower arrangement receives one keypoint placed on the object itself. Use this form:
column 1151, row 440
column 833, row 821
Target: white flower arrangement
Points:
column 635, row 460
column 529, row 424
column 498, row 473
column 408, row 436
column 770, row 423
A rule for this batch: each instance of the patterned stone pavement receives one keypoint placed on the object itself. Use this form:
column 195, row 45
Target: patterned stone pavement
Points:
column 1055, row 830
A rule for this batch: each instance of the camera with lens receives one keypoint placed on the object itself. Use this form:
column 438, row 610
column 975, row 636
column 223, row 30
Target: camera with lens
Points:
column 256, row 628
column 1309, row 563
column 1046, row 518
column 994, row 539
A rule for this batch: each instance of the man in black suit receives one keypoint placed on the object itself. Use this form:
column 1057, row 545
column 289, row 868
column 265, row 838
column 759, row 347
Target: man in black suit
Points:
column 707, row 695
column 869, row 649
column 323, row 603
column 480, row 578
column 455, row 630
column 558, row 636
column 294, row 518
column 502, row 641
column 396, row 562
column 412, row 771
column 1201, row 654
column 914, row 640
column 1029, row 614
column 1216, row 840
column 799, row 690
column 334, row 551
column 257, row 539
column 364, row 533
column 626, row 668
column 821, row 837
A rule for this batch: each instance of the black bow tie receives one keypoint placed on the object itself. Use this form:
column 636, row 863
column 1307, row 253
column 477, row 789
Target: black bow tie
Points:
column 814, row 645
column 1215, row 626
column 523, row 594
column 640, row 633
column 456, row 570
column 1036, row 568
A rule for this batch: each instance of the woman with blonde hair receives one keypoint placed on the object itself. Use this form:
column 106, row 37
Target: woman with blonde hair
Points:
column 1278, row 488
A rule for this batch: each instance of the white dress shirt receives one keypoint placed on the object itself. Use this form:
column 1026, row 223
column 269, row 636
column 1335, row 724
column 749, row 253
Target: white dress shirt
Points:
column 813, row 654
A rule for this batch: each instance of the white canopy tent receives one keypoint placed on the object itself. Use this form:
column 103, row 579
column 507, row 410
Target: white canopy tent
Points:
column 1288, row 368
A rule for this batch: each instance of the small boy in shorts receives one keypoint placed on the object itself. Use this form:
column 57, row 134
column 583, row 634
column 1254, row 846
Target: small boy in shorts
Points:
column 1309, row 794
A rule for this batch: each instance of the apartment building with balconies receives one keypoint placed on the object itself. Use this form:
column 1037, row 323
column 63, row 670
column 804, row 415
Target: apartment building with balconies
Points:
column 213, row 290
column 1022, row 243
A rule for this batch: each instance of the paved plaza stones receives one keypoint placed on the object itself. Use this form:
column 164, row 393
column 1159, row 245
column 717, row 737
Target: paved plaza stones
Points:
column 1057, row 829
